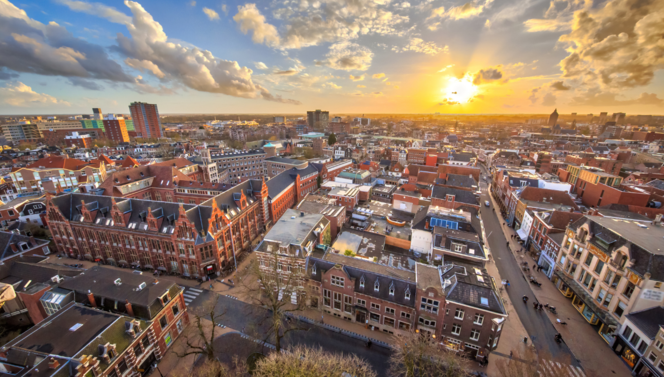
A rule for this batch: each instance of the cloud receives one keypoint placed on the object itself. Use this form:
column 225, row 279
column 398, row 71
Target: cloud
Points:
column 287, row 72
column 192, row 3
column 83, row 83
column 539, row 25
column 250, row 19
column 7, row 75
column 224, row 8
column 419, row 45
column 596, row 98
column 487, row 24
column 559, row 85
column 99, row 10
column 27, row 45
column 445, row 68
column 378, row 75
column 348, row 56
column 187, row 65
column 145, row 65
column 332, row 85
column 549, row 100
column 142, row 86
column 377, row 94
column 484, row 76
column 533, row 95
column 468, row 10
column 261, row 66
column 212, row 15
column 448, row 102
column 16, row 93
column 619, row 45
column 304, row 25
column 357, row 78
column 361, row 86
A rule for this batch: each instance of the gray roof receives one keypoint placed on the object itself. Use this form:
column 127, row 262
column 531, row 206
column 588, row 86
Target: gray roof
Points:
column 657, row 183
column 462, row 196
column 458, row 180
column 7, row 239
column 465, row 286
column 368, row 273
column 648, row 321
column 365, row 244
column 283, row 160
column 294, row 227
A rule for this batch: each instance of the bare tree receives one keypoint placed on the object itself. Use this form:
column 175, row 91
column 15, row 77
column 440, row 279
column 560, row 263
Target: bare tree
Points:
column 216, row 369
column 418, row 354
column 305, row 361
column 200, row 339
column 277, row 285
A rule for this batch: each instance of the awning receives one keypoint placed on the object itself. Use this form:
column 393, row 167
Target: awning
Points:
column 522, row 234
column 587, row 299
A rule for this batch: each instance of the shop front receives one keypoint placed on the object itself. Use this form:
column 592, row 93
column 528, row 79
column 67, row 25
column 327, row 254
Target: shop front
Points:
column 626, row 352
column 586, row 306
column 645, row 369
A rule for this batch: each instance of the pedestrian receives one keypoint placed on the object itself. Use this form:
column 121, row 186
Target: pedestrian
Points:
column 525, row 339
column 511, row 353
column 507, row 244
column 321, row 319
column 507, row 282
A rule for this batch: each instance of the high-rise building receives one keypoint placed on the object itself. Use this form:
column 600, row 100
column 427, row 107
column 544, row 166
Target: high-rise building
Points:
column 116, row 128
column 318, row 120
column 146, row 119
column 553, row 118
column 603, row 117
column 96, row 113
column 619, row 118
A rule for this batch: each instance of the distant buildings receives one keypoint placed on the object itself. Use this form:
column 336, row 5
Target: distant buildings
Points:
column 553, row 118
column 146, row 119
column 318, row 120
column 116, row 128
column 96, row 113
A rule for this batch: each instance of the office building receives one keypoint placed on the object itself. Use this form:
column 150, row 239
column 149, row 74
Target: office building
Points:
column 553, row 118
column 115, row 128
column 146, row 120
column 96, row 113
column 318, row 120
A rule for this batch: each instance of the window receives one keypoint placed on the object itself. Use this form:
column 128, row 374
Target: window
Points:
column 429, row 305
column 589, row 259
column 405, row 315
column 652, row 357
column 659, row 345
column 362, row 282
column 361, row 302
column 642, row 347
column 138, row 351
column 458, row 314
column 376, row 286
column 474, row 334
column 389, row 311
column 338, row 281
column 629, row 290
column 457, row 247
column 374, row 317
column 407, row 295
column 146, row 342
column 456, row 329
column 348, row 304
column 176, row 310
column 478, row 319
column 620, row 309
column 634, row 339
column 122, row 366
column 660, row 366
column 326, row 297
column 427, row 322
column 163, row 321
column 388, row 321
column 337, row 301
column 600, row 296
column 375, row 306
column 598, row 268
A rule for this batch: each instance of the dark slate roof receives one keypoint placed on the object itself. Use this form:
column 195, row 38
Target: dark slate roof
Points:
column 7, row 238
column 100, row 281
column 465, row 157
column 462, row 196
column 458, row 180
column 464, row 286
column 657, row 183
column 361, row 270
column 277, row 184
column 648, row 321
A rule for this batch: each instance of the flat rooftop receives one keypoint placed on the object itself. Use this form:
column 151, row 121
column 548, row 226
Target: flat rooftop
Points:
column 293, row 227
column 648, row 236
column 364, row 244
column 66, row 332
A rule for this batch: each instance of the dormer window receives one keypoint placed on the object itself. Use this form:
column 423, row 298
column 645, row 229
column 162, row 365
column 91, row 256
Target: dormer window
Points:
column 391, row 290
column 407, row 295
column 376, row 286
column 362, row 282
column 313, row 270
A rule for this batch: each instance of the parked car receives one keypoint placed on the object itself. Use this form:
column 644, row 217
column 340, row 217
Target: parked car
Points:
column 487, row 204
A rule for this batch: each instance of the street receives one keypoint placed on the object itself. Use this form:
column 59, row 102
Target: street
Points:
column 540, row 329
column 246, row 318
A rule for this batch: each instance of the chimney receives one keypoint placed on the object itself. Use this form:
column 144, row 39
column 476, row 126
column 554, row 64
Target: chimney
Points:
column 32, row 241
column 53, row 363
column 129, row 308
column 91, row 298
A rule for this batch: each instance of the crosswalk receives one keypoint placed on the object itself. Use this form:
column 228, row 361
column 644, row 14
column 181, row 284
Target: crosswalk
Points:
column 190, row 294
column 549, row 368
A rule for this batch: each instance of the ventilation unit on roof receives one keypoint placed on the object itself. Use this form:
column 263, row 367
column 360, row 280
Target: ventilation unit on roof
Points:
column 141, row 286
column 117, row 281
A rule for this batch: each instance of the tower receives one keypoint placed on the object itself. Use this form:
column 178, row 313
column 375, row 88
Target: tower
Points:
column 553, row 118
column 146, row 120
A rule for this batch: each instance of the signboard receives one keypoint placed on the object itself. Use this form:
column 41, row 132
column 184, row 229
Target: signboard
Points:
column 653, row 295
column 634, row 278
column 598, row 253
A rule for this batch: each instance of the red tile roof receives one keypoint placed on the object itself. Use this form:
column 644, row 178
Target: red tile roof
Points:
column 60, row 162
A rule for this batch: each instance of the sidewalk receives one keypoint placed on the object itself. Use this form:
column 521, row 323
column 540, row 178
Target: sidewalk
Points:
column 586, row 344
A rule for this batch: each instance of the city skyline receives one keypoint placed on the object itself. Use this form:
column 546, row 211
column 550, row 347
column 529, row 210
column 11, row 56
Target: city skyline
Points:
column 67, row 56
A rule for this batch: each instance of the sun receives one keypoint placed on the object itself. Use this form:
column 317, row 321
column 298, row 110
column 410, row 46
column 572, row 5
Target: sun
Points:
column 459, row 91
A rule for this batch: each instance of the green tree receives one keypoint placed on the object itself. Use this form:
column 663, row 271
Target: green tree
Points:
column 332, row 139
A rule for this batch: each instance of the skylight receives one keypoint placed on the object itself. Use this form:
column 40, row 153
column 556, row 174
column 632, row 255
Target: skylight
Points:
column 484, row 301
column 75, row 327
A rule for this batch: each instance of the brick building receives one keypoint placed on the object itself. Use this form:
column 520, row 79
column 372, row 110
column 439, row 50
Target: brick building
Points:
column 241, row 165
column 78, row 140
column 146, row 120
column 54, row 173
column 57, row 137
column 346, row 197
column 334, row 213
column 116, row 129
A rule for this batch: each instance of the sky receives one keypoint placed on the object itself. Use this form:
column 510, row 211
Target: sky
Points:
column 344, row 56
